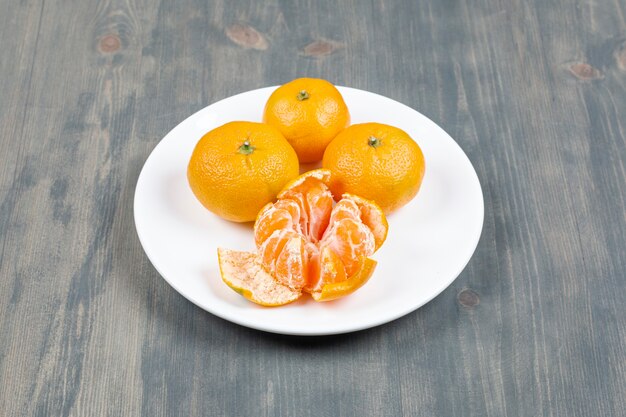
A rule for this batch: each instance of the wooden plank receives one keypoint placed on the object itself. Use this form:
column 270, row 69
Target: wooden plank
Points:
column 20, row 34
column 59, row 251
column 21, row 30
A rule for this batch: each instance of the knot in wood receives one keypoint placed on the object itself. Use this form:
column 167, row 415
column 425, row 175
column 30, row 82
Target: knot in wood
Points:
column 468, row 298
column 246, row 37
column 321, row 48
column 109, row 43
column 585, row 72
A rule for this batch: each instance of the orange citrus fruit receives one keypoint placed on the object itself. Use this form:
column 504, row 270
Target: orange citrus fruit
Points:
column 309, row 112
column 305, row 243
column 377, row 162
column 239, row 167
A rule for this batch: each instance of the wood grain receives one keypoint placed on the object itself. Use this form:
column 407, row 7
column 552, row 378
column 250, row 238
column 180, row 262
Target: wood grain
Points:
column 533, row 91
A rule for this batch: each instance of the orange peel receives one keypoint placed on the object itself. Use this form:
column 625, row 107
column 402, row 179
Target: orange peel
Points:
column 340, row 289
column 242, row 271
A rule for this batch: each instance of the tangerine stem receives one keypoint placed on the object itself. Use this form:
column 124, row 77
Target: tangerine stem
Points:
column 246, row 148
column 374, row 142
column 302, row 95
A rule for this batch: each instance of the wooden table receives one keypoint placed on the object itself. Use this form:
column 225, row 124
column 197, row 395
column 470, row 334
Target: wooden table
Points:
column 533, row 91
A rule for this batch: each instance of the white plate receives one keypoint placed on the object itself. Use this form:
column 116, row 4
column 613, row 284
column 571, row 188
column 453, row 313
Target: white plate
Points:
column 429, row 243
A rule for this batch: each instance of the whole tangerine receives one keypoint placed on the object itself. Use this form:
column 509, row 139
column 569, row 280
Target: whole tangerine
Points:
column 239, row 167
column 309, row 112
column 375, row 161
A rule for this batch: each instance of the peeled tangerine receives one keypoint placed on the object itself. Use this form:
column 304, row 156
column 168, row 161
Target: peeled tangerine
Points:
column 305, row 244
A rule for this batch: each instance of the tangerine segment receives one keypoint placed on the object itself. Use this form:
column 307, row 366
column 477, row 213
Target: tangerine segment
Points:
column 340, row 289
column 326, row 267
column 243, row 272
column 352, row 241
column 273, row 246
column 315, row 200
column 284, row 256
column 344, row 209
column 318, row 205
column 284, row 214
column 322, row 175
column 291, row 264
column 371, row 215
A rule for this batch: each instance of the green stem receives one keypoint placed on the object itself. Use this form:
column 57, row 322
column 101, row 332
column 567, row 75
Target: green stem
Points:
column 246, row 148
column 374, row 142
column 302, row 95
